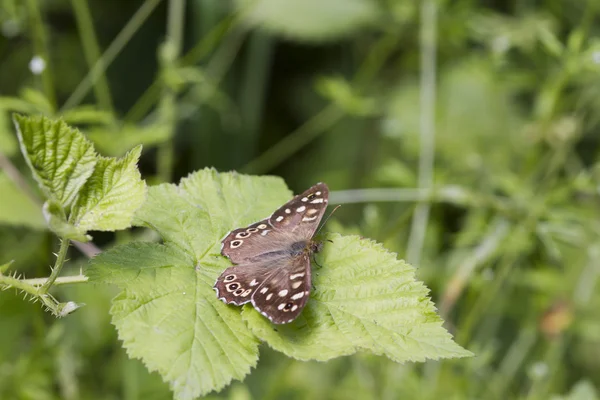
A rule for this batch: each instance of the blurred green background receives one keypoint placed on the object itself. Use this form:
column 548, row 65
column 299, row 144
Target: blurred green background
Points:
column 461, row 134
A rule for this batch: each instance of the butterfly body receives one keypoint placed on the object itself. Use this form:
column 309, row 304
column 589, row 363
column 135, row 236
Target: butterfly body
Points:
column 273, row 258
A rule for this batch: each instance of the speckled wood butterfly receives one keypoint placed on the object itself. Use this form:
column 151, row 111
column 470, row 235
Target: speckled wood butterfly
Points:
column 273, row 257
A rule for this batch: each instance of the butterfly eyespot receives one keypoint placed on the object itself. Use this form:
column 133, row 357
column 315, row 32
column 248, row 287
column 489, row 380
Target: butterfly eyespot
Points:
column 238, row 292
column 229, row 278
column 288, row 307
column 262, row 226
column 242, row 235
column 252, row 230
column 236, row 243
column 311, row 196
column 232, row 286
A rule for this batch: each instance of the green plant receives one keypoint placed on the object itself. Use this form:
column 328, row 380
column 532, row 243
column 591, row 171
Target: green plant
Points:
column 168, row 314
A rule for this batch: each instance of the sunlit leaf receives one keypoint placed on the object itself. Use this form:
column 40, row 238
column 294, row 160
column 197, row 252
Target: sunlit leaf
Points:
column 364, row 298
column 60, row 157
column 111, row 195
column 168, row 314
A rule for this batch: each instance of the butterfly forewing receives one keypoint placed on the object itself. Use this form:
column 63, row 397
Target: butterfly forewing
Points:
column 297, row 219
column 274, row 258
column 302, row 214
column 246, row 243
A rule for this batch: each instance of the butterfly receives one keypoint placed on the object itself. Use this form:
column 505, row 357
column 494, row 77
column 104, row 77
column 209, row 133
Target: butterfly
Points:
column 272, row 258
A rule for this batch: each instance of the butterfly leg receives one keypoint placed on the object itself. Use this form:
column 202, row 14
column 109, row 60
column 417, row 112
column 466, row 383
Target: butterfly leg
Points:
column 316, row 263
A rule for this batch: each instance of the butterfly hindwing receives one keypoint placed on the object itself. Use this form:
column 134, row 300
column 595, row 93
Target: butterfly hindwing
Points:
column 237, row 284
column 283, row 295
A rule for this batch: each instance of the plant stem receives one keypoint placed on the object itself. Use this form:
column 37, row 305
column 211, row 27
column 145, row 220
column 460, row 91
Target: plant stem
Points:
column 40, row 48
column 111, row 53
column 62, row 280
column 23, row 285
column 427, row 145
column 91, row 50
column 296, row 140
column 167, row 109
column 60, row 260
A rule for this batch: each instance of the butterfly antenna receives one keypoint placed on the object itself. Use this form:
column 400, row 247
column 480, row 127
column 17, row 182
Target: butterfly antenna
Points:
column 327, row 219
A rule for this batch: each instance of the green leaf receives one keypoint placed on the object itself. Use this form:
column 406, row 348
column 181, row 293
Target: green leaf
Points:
column 57, row 222
column 364, row 298
column 310, row 20
column 5, row 267
column 167, row 313
column 60, row 157
column 111, row 195
column 16, row 208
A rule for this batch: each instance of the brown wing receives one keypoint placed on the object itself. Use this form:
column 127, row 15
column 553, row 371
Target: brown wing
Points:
column 295, row 221
column 284, row 293
column 278, row 289
column 237, row 284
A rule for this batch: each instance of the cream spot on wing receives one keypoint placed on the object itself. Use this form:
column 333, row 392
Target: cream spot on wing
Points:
column 262, row 226
column 298, row 275
column 294, row 308
column 318, row 193
column 269, row 296
column 312, row 211
column 306, row 219
column 296, row 285
column 282, row 292
column 264, row 233
column 298, row 296
column 300, row 209
column 279, row 219
column 246, row 293
column 316, row 201
column 263, row 290
column 287, row 211
column 232, row 286
column 254, row 282
column 280, row 307
column 304, row 199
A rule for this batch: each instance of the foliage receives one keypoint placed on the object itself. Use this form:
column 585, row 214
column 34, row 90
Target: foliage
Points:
column 459, row 135
column 168, row 314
